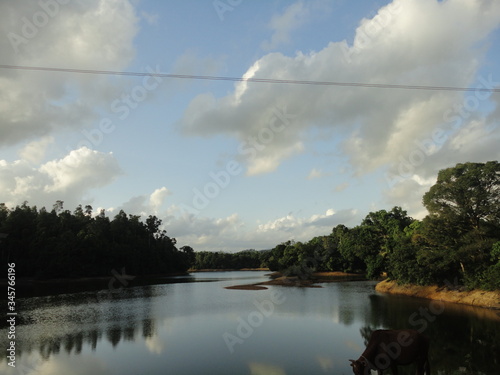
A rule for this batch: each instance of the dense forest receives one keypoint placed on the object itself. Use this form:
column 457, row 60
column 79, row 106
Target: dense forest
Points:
column 223, row 261
column 457, row 243
column 59, row 243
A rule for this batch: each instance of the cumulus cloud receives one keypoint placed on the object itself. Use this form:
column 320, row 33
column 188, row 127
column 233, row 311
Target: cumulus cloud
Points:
column 283, row 24
column 408, row 194
column 158, row 197
column 146, row 204
column 291, row 19
column 232, row 234
column 290, row 222
column 68, row 179
column 95, row 34
column 378, row 125
column 34, row 151
column 226, row 234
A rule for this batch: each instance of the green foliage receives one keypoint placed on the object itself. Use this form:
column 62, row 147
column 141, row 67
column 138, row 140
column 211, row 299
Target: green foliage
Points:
column 458, row 241
column 490, row 278
column 221, row 260
column 60, row 243
column 362, row 249
column 467, row 194
column 463, row 224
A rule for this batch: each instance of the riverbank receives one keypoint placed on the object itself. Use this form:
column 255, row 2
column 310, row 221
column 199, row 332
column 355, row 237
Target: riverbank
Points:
column 479, row 298
column 316, row 278
column 30, row 287
column 76, row 280
column 226, row 269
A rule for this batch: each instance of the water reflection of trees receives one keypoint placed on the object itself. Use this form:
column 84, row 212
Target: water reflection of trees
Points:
column 74, row 343
column 115, row 326
column 463, row 339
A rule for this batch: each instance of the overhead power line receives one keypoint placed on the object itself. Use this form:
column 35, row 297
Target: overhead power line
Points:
column 256, row 80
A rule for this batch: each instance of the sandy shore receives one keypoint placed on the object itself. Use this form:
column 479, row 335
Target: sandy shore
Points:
column 478, row 298
column 316, row 278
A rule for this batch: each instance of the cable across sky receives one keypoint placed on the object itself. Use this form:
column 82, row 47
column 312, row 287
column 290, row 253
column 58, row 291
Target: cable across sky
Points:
column 253, row 79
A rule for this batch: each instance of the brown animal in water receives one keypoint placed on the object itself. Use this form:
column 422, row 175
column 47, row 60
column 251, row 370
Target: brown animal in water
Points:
column 391, row 348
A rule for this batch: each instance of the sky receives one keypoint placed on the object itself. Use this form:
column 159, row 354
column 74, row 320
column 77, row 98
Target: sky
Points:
column 232, row 164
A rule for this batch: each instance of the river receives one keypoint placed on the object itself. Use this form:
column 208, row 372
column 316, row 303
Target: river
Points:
column 192, row 325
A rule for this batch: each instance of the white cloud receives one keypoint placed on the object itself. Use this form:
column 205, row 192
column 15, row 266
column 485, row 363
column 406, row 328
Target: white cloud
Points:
column 381, row 125
column 268, row 162
column 285, row 23
column 232, row 234
column 151, row 18
column 316, row 173
column 95, row 34
column 34, row 151
column 306, row 228
column 146, row 205
column 408, row 194
column 226, row 234
column 475, row 141
column 68, row 179
column 79, row 169
column 158, row 197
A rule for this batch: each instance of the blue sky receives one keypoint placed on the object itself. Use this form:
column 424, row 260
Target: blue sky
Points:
column 235, row 165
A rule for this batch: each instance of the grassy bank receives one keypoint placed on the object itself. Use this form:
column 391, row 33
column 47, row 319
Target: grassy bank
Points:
column 478, row 298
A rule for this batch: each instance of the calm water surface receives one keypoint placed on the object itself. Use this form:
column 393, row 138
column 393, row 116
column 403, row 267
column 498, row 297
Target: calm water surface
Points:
column 195, row 326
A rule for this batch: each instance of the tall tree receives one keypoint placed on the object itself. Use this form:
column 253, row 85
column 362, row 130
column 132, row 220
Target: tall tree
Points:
column 463, row 222
column 469, row 192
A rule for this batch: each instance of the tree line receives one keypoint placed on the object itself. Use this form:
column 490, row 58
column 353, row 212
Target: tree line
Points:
column 59, row 243
column 220, row 260
column 457, row 243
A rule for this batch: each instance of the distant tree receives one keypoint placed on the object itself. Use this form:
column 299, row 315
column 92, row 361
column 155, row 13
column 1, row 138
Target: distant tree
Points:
column 188, row 256
column 458, row 240
column 360, row 249
column 88, row 210
column 64, row 244
column 58, row 206
column 375, row 239
column 403, row 262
